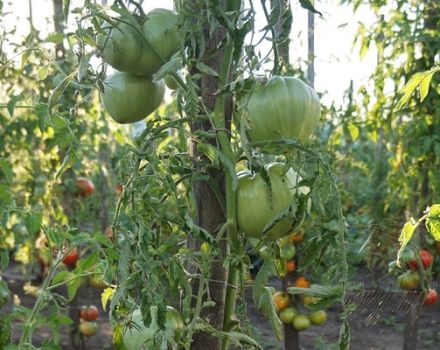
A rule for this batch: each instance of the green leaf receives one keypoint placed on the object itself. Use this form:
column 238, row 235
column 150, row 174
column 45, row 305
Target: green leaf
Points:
column 33, row 222
column 66, row 8
column 308, row 5
column 319, row 291
column 42, row 73
column 68, row 162
column 424, row 85
column 11, row 104
column 60, row 277
column 405, row 237
column 353, row 130
column 59, row 89
column 73, row 284
column 4, row 259
column 433, row 221
column 55, row 38
column 172, row 66
column 268, row 308
column 206, row 69
column 7, row 170
column 261, row 280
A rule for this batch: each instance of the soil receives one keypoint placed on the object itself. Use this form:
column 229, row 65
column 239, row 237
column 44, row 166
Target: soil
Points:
column 377, row 322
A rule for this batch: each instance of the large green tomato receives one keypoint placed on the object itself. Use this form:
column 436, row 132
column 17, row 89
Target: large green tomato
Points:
column 257, row 206
column 282, row 108
column 142, row 337
column 161, row 32
column 129, row 98
column 120, row 46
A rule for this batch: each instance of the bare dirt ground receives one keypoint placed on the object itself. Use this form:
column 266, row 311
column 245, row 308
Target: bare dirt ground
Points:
column 376, row 324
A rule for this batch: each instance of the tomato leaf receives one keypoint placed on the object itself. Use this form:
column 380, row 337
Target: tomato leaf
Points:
column 433, row 221
column 206, row 69
column 59, row 89
column 73, row 284
column 60, row 277
column 405, row 236
column 106, row 295
column 172, row 66
column 424, row 85
column 307, row 4
column 268, row 308
column 7, row 170
column 261, row 280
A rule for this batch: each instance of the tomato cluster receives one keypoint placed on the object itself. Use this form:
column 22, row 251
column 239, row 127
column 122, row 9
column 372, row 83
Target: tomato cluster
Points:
column 290, row 315
column 419, row 271
column 131, row 94
column 87, row 320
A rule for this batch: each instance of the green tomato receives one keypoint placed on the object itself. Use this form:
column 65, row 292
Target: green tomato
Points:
column 282, row 108
column 130, row 98
column 88, row 328
column 257, row 206
column 162, row 33
column 318, row 318
column 288, row 252
column 120, row 46
column 301, row 322
column 142, row 337
column 409, row 280
column 287, row 315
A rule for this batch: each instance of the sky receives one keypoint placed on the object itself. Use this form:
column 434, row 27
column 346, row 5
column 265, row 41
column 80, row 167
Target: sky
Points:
column 336, row 63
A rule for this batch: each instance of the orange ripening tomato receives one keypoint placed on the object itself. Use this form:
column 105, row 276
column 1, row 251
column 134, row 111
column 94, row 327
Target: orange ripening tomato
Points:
column 297, row 237
column 281, row 300
column 302, row 282
column 290, row 265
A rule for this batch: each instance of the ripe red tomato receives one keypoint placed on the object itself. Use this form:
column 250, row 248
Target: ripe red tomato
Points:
column 71, row 258
column 89, row 313
column 431, row 297
column 85, row 186
column 426, row 257
column 87, row 328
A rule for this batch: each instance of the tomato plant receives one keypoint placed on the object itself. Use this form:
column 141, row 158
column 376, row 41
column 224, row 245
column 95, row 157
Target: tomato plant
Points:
column 129, row 98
